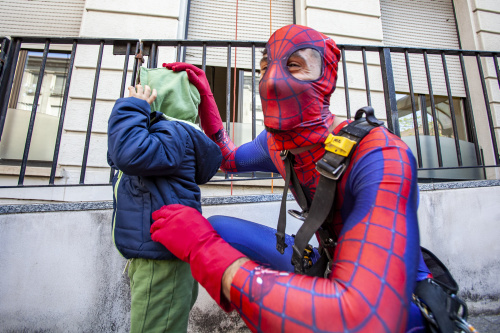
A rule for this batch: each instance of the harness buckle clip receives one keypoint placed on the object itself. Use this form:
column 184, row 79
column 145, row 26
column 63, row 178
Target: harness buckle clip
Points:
column 339, row 145
column 283, row 154
column 329, row 171
column 280, row 242
column 298, row 215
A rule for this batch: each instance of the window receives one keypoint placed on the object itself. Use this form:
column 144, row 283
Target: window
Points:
column 21, row 105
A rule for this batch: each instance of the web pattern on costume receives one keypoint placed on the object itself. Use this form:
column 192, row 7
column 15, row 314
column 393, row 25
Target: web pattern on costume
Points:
column 227, row 148
column 374, row 267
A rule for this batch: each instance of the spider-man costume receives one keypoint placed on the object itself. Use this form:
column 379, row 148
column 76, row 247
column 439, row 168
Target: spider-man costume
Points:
column 377, row 259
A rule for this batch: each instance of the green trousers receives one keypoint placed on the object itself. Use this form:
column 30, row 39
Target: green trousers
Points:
column 163, row 292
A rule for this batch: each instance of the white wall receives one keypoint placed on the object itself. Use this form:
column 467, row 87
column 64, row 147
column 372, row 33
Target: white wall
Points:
column 60, row 271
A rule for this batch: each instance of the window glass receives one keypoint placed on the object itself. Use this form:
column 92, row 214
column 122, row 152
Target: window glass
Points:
column 52, row 90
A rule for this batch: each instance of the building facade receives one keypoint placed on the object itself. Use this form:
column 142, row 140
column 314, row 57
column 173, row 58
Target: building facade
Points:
column 443, row 24
column 62, row 272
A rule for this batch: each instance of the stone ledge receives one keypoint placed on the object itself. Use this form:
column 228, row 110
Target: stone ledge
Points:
column 212, row 201
column 457, row 185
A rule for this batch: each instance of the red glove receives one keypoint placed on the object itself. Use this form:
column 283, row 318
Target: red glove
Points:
column 208, row 112
column 191, row 238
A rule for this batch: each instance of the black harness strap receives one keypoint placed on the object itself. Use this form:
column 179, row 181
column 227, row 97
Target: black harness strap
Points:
column 331, row 167
column 301, row 198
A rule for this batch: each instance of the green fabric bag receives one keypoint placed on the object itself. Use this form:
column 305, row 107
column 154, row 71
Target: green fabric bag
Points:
column 177, row 99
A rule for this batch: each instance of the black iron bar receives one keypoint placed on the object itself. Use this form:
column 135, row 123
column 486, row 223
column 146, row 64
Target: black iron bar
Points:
column 468, row 111
column 423, row 108
column 31, row 125
column 488, row 110
column 452, row 110
column 125, row 71
column 391, row 104
column 346, row 84
column 155, row 60
column 254, row 116
column 497, row 69
column 204, row 58
column 244, row 179
column 228, row 91
column 134, row 67
column 433, row 110
column 178, row 57
column 414, row 110
column 63, row 113
column 367, row 79
column 6, row 84
column 4, row 50
column 91, row 114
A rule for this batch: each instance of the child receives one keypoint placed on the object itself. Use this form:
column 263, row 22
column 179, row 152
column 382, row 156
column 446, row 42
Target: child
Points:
column 160, row 161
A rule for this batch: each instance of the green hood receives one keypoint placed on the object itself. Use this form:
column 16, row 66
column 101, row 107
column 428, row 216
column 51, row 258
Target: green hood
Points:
column 177, row 98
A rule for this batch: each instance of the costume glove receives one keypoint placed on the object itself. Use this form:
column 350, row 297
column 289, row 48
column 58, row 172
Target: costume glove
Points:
column 191, row 238
column 209, row 114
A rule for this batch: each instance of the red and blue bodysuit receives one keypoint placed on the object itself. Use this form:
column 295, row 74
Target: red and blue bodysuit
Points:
column 377, row 260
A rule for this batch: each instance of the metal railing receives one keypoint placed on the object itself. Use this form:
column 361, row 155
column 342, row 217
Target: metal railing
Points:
column 359, row 64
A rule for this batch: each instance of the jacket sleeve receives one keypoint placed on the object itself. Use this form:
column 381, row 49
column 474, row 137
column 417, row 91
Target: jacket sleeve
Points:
column 134, row 149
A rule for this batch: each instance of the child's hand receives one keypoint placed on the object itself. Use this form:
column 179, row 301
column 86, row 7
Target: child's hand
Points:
column 142, row 94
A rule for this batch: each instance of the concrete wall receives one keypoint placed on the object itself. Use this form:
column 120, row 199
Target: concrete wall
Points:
column 61, row 273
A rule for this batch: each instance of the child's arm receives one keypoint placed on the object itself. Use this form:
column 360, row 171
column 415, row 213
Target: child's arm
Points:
column 132, row 147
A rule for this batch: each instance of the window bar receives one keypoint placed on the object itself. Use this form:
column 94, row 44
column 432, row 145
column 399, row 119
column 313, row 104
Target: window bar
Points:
column 433, row 110
column 4, row 49
column 122, row 92
column 125, row 69
column 488, row 110
column 91, row 113
column 254, row 125
column 134, row 68
column 414, row 110
column 29, row 135
column 153, row 55
column 468, row 111
column 346, row 84
column 391, row 107
column 452, row 109
column 178, row 57
column 423, row 107
column 228, row 91
column 367, row 80
column 63, row 113
column 6, row 84
column 204, row 58
column 495, row 60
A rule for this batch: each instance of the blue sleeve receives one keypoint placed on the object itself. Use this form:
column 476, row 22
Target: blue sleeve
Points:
column 134, row 149
column 254, row 156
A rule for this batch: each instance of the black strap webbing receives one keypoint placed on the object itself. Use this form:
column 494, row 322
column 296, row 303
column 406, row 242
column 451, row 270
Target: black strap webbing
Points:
column 301, row 199
column 331, row 167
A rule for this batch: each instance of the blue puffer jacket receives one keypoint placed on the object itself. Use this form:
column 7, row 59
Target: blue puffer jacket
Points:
column 160, row 162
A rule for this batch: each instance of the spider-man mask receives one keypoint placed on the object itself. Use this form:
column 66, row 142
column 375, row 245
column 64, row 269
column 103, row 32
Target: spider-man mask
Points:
column 297, row 108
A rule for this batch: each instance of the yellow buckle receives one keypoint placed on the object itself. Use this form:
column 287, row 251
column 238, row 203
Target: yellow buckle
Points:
column 339, row 145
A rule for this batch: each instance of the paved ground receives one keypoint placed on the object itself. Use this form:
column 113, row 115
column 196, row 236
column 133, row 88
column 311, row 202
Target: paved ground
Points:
column 485, row 323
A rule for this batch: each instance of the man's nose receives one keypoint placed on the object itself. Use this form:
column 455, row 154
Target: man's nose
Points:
column 270, row 81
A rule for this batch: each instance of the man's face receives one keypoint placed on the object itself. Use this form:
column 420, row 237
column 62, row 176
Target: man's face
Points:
column 304, row 64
